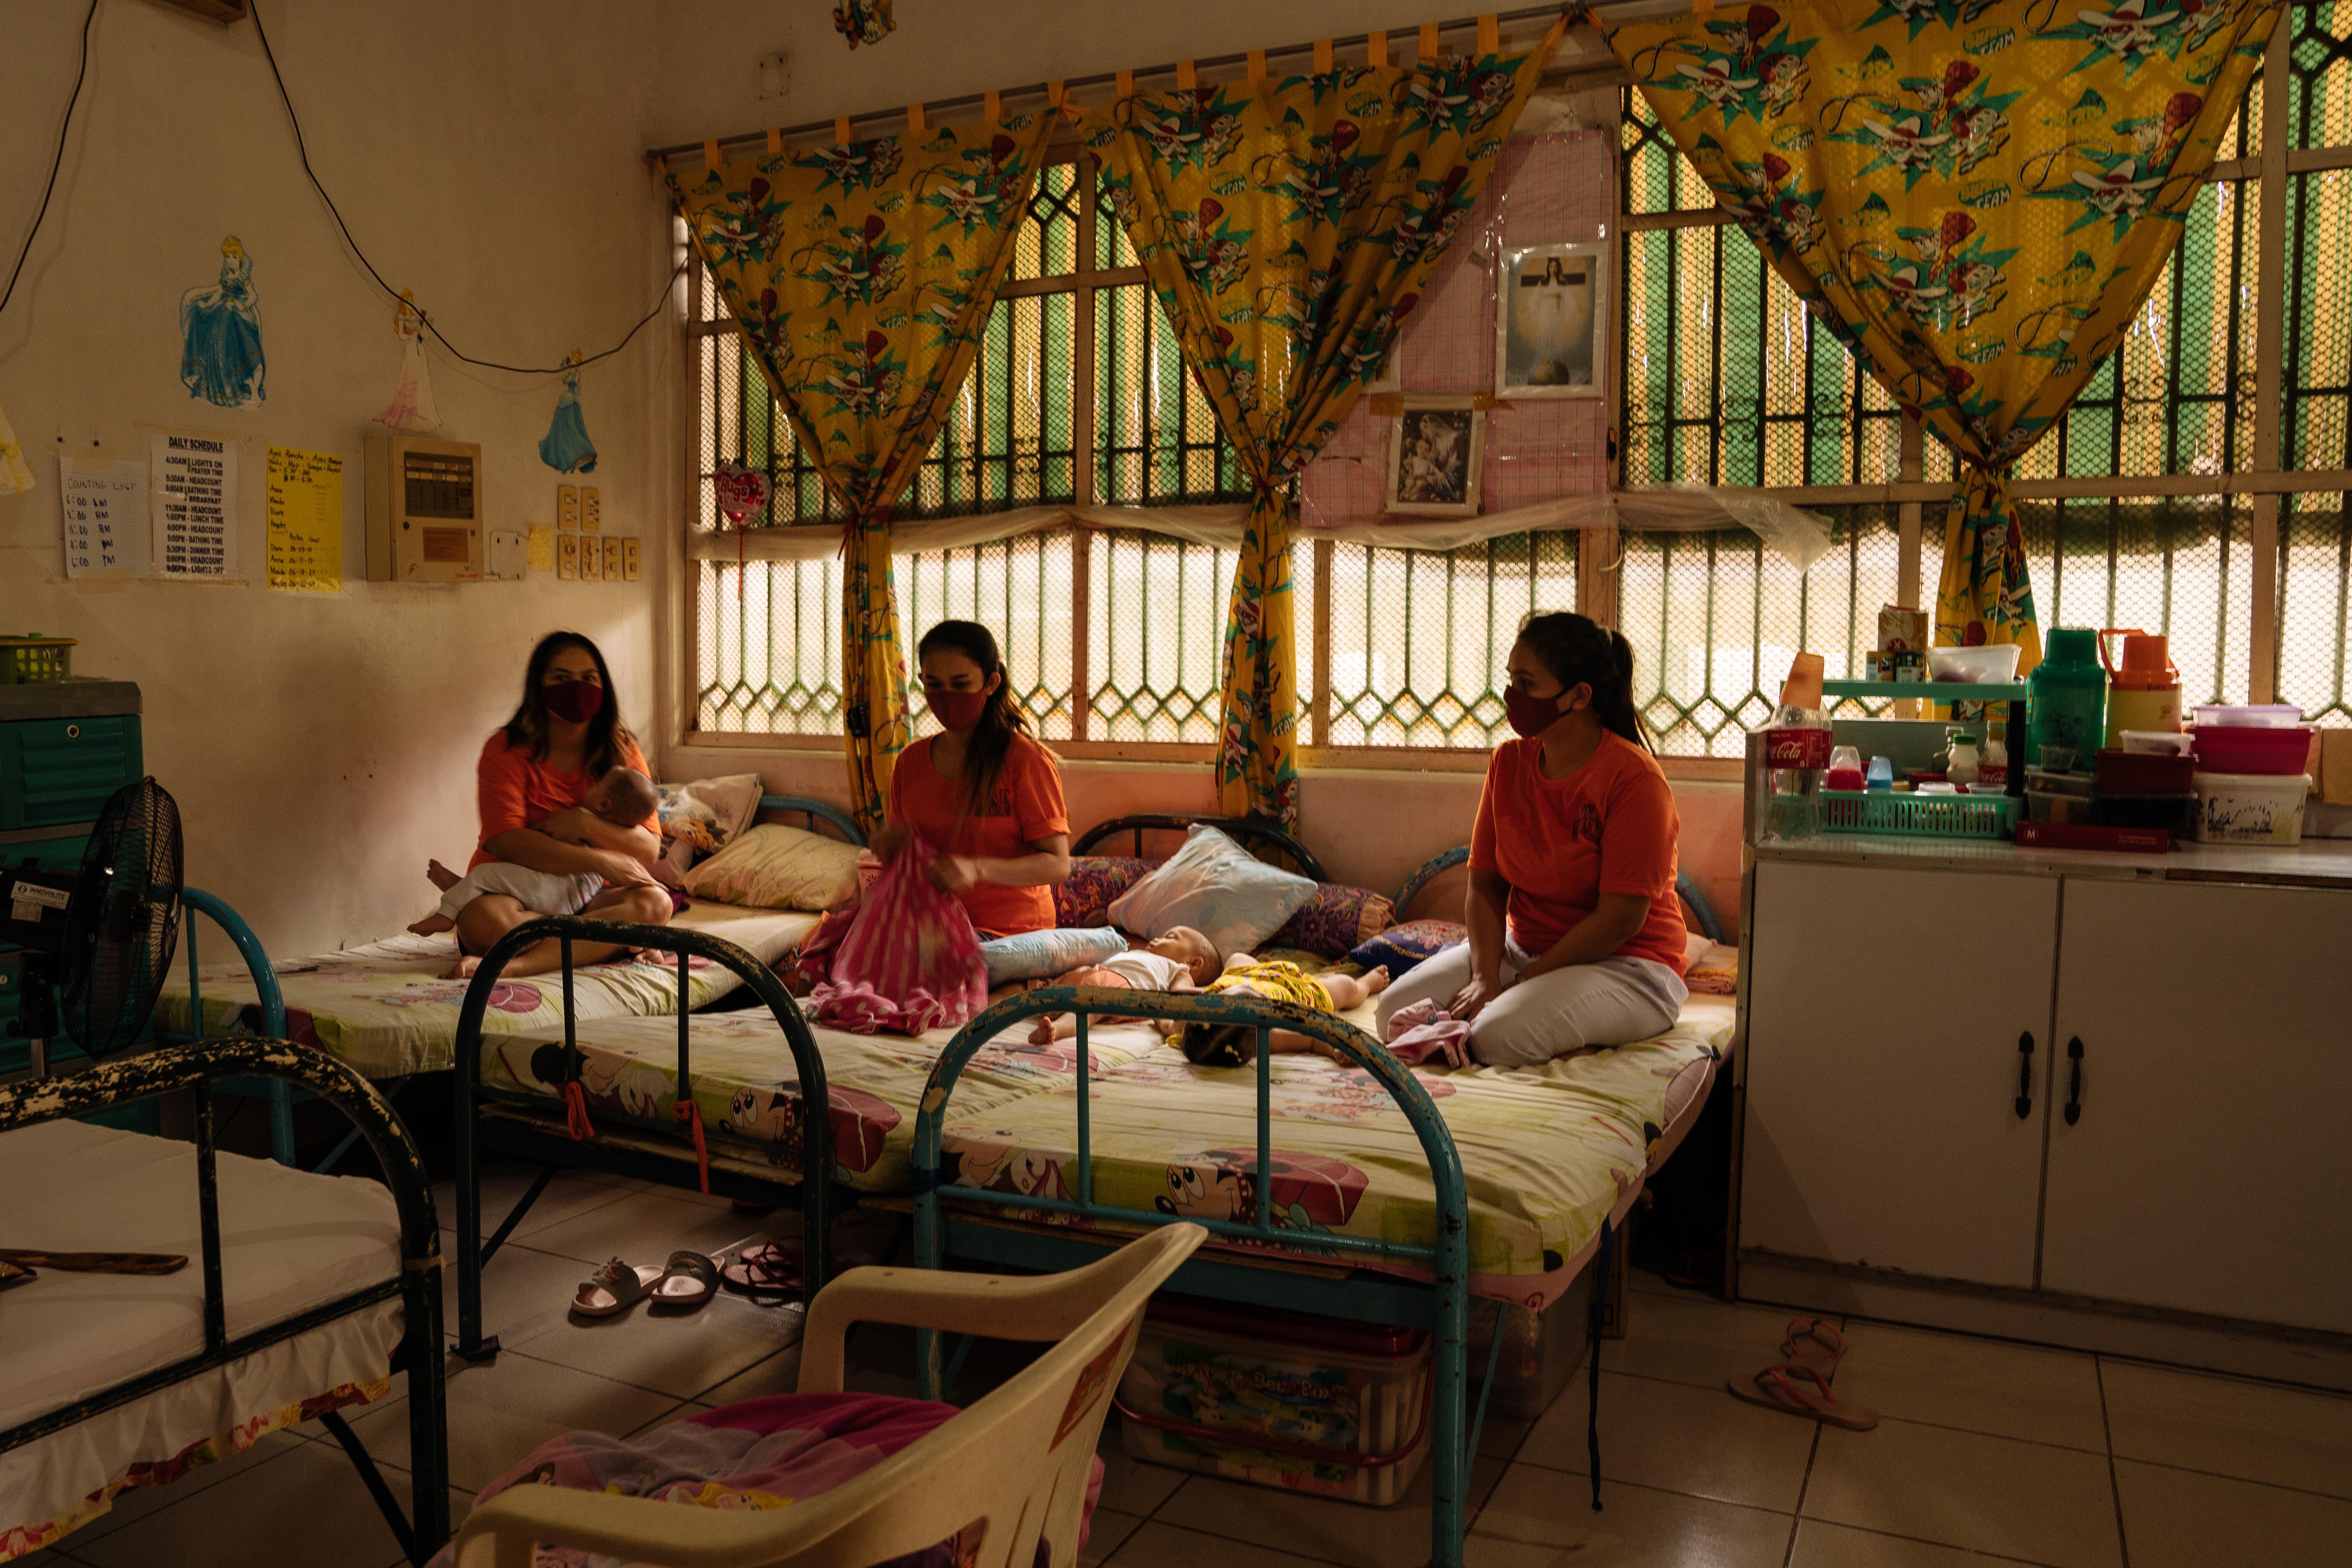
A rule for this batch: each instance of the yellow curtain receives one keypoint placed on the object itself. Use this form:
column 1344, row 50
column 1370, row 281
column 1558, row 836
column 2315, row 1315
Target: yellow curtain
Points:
column 862, row 275
column 1288, row 225
column 1975, row 196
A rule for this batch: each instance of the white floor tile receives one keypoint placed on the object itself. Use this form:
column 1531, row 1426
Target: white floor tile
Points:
column 1977, row 1386
column 303, row 1508
column 779, row 1373
column 1131, row 1485
column 1396, row 1536
column 1985, row 1494
column 1683, row 1338
column 1156, row 1546
column 2255, row 1432
column 1539, row 1519
column 502, row 1409
column 646, row 1228
column 1699, row 1441
column 1823, row 1545
column 524, row 1293
column 2173, row 1519
column 1106, row 1531
column 568, row 1195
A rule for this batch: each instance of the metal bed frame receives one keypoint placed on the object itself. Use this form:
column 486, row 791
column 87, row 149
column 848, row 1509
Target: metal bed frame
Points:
column 1437, row 865
column 201, row 1067
column 1440, row 1304
column 535, row 1136
column 1251, row 831
column 282, row 1096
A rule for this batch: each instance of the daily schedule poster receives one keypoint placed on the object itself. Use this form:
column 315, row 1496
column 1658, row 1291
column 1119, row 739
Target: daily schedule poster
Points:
column 195, row 508
column 101, row 503
column 305, row 513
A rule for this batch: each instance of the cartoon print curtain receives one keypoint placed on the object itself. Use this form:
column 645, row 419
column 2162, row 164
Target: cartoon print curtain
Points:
column 1975, row 196
column 1288, row 226
column 862, row 275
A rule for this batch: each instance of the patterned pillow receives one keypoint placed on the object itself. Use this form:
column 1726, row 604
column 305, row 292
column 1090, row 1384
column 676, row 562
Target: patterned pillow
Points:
column 1715, row 972
column 1402, row 947
column 703, row 817
column 1336, row 921
column 777, row 868
column 1095, row 880
column 1217, row 888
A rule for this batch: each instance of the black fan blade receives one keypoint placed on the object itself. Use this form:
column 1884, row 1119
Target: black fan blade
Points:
column 124, row 921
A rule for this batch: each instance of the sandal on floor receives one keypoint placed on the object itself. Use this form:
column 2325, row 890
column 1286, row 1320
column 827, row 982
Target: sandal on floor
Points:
column 612, row 1289
column 769, row 1273
column 1786, row 1388
column 690, row 1281
column 14, row 1274
column 1813, row 1342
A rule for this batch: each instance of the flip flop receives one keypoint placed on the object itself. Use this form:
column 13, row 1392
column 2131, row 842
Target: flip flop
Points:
column 1783, row 1388
column 1815, row 1343
column 690, row 1281
column 769, row 1273
column 612, row 1289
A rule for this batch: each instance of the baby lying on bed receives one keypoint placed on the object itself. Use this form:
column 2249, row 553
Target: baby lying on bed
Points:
column 1235, row 1045
column 1183, row 960
column 624, row 798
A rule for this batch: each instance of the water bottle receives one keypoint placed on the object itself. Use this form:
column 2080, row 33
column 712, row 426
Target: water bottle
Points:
column 1797, row 748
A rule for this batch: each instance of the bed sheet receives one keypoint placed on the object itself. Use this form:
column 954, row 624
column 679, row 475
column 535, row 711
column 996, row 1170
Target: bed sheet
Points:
column 384, row 1010
column 748, row 1089
column 290, row 1241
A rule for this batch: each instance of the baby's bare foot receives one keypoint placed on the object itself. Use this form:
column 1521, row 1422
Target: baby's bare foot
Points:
column 440, row 876
column 433, row 924
column 1376, row 980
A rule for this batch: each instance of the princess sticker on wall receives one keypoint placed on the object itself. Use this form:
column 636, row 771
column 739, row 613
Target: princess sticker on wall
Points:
column 567, row 448
column 220, row 335
column 863, row 21
column 412, row 407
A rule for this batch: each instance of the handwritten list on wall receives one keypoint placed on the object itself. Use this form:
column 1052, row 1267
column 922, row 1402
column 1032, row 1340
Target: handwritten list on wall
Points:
column 304, row 509
column 103, row 503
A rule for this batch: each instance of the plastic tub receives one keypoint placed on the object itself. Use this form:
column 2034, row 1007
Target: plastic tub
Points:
column 2176, row 814
column 1989, row 666
column 2145, row 774
column 1282, row 1399
column 2250, row 809
column 2048, row 782
column 2251, row 749
column 2160, row 742
column 2256, row 716
column 2042, row 806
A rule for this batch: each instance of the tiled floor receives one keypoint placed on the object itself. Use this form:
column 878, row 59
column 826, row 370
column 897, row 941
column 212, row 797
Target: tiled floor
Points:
column 1988, row 1452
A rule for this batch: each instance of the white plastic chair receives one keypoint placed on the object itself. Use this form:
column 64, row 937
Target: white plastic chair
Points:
column 1016, row 1463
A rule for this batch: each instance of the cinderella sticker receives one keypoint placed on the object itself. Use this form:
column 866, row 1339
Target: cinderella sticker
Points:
column 220, row 335
column 567, row 448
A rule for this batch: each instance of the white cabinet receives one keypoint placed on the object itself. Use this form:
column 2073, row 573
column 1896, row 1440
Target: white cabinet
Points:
column 1885, row 1009
column 2206, row 1170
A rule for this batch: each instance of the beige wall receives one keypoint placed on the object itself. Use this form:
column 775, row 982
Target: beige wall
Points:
column 487, row 157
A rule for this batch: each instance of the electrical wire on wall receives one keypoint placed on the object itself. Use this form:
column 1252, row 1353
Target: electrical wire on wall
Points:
column 56, row 163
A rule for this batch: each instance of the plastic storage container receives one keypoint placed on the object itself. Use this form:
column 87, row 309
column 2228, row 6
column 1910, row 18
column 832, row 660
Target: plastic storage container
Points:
column 2176, row 814
column 2250, row 809
column 34, row 658
column 2065, row 698
column 2259, row 715
column 1992, row 665
column 1282, row 1399
column 2144, row 774
column 2162, row 742
column 2252, row 749
column 1918, row 816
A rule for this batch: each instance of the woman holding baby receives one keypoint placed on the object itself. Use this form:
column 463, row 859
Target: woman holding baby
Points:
column 568, row 818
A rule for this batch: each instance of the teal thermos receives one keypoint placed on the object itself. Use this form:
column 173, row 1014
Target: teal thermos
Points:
column 2066, row 699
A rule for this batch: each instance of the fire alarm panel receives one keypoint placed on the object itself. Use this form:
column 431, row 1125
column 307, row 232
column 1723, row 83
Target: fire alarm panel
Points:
column 423, row 510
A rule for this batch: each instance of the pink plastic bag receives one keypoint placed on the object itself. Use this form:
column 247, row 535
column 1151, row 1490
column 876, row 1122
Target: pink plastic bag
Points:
column 908, row 959
column 1422, row 1032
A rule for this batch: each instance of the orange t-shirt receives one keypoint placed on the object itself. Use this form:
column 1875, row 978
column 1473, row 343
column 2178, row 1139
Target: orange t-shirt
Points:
column 515, row 791
column 1025, row 806
column 1610, row 826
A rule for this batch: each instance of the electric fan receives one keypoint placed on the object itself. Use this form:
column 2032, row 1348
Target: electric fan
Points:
column 101, row 936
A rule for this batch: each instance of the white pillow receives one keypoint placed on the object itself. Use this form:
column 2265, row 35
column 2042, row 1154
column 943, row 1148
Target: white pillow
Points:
column 1044, row 954
column 1218, row 889
column 713, row 809
column 777, row 868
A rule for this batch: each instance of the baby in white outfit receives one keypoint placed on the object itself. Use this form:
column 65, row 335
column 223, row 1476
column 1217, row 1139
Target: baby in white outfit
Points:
column 1183, row 960
column 624, row 798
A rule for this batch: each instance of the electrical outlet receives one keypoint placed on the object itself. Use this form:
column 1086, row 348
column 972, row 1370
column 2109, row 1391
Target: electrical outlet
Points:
column 774, row 74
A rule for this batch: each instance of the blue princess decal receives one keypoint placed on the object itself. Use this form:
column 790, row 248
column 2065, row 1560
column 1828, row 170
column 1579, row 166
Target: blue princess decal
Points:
column 220, row 332
column 567, row 448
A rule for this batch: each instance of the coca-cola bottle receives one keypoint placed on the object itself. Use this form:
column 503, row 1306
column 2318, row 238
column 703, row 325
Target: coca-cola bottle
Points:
column 1797, row 749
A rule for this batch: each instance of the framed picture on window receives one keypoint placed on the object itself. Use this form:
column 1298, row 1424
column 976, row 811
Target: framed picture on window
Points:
column 1436, row 448
column 1550, row 310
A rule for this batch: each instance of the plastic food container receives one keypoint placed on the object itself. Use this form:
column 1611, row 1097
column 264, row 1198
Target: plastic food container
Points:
column 1281, row 1399
column 2176, row 814
column 2145, row 774
column 2258, row 716
column 2250, row 809
column 2164, row 743
column 2048, row 782
column 1991, row 666
column 2042, row 806
column 2252, row 749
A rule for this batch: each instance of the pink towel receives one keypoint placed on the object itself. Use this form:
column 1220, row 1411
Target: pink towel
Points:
column 908, row 959
column 1422, row 1032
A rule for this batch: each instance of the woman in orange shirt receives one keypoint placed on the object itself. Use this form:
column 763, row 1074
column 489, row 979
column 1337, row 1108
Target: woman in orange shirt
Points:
column 531, row 779
column 1576, row 931
column 983, row 792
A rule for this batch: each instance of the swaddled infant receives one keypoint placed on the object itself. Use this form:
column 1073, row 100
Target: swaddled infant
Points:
column 624, row 798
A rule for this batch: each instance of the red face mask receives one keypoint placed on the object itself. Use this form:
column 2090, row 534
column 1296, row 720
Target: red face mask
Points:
column 1530, row 716
column 958, row 710
column 573, row 702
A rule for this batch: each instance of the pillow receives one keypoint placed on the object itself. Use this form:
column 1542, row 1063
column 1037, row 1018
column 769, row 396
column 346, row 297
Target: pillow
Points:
column 1043, row 954
column 777, row 868
column 705, row 816
column 1218, row 889
column 1336, row 921
column 1715, row 972
column 1402, row 947
column 1085, row 897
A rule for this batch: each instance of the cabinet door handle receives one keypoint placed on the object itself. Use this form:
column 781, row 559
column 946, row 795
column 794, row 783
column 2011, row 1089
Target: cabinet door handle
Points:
column 2024, row 1075
column 2074, row 1080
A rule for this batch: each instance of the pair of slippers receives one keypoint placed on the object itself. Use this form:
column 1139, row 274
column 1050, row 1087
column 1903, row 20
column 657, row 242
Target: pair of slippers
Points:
column 1798, row 1383
column 687, row 1282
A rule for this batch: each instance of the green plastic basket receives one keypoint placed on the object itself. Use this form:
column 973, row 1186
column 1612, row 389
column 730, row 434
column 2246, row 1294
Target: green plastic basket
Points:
column 34, row 657
column 1893, row 816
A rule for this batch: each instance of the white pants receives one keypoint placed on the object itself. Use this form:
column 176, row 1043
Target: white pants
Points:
column 541, row 892
column 1612, row 1002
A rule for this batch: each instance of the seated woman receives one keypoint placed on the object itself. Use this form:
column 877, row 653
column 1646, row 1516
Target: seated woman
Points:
column 985, row 794
column 534, row 780
column 1576, row 933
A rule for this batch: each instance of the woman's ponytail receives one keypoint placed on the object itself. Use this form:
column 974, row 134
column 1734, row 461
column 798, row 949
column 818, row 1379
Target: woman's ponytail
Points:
column 1575, row 651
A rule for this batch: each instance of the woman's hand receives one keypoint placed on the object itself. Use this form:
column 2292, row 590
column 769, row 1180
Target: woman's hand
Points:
column 1472, row 999
column 887, row 841
column 954, row 875
column 620, row 870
